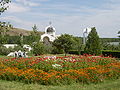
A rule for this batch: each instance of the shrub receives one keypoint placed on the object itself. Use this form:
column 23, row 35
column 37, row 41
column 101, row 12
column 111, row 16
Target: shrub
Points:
column 17, row 48
column 76, row 52
column 104, row 53
column 111, row 53
column 57, row 51
column 48, row 49
column 38, row 48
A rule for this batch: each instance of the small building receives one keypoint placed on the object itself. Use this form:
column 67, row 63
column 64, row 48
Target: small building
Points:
column 10, row 45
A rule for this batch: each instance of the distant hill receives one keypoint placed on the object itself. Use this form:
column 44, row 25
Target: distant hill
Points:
column 18, row 31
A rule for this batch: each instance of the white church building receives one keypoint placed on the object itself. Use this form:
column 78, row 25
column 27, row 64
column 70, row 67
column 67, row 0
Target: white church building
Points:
column 49, row 35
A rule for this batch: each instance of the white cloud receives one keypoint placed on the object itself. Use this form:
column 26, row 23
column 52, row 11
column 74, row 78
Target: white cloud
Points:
column 17, row 22
column 17, row 8
column 71, row 19
column 27, row 3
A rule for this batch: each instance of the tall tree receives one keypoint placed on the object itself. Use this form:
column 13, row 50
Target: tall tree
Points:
column 35, row 35
column 64, row 42
column 35, row 29
column 93, row 45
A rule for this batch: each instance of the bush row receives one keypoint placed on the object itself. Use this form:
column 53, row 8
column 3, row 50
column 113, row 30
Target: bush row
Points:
column 104, row 53
column 111, row 53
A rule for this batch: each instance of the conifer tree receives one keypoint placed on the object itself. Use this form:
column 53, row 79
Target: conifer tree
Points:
column 93, row 46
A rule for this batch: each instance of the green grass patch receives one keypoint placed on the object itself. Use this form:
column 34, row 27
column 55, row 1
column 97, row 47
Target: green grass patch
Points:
column 107, row 85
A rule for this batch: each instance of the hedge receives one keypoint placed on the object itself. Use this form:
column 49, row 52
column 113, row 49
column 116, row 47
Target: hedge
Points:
column 104, row 53
column 111, row 53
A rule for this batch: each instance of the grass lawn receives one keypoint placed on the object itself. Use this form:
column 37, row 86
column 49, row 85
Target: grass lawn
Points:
column 107, row 85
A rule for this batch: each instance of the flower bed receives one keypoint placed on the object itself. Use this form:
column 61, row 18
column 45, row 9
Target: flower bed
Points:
column 60, row 70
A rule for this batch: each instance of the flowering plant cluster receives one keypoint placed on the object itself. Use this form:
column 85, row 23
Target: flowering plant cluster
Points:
column 60, row 70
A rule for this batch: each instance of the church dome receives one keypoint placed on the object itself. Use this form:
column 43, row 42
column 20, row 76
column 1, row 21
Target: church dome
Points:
column 50, row 29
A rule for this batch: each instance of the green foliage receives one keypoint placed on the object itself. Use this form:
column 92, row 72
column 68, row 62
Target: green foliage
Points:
column 35, row 29
column 107, row 46
column 4, row 28
column 106, row 53
column 110, row 43
column 64, row 42
column 38, row 48
column 35, row 35
column 48, row 49
column 93, row 43
column 5, row 51
column 111, row 53
column 109, row 39
column 77, row 44
column 55, row 50
column 3, row 40
column 17, row 48
column 3, row 6
column 74, row 52
column 13, row 40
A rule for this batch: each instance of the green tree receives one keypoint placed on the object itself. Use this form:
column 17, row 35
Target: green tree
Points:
column 64, row 42
column 4, row 28
column 35, row 35
column 13, row 40
column 3, row 6
column 93, row 45
column 35, row 29
column 77, row 44
column 38, row 48
column 21, row 40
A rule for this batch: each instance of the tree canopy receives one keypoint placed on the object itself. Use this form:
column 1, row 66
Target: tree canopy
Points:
column 65, row 42
column 35, row 35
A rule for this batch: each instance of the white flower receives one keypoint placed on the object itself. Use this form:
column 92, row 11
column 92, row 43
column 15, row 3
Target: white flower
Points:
column 56, row 66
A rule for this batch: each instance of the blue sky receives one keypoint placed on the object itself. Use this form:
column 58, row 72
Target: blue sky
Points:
column 67, row 16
